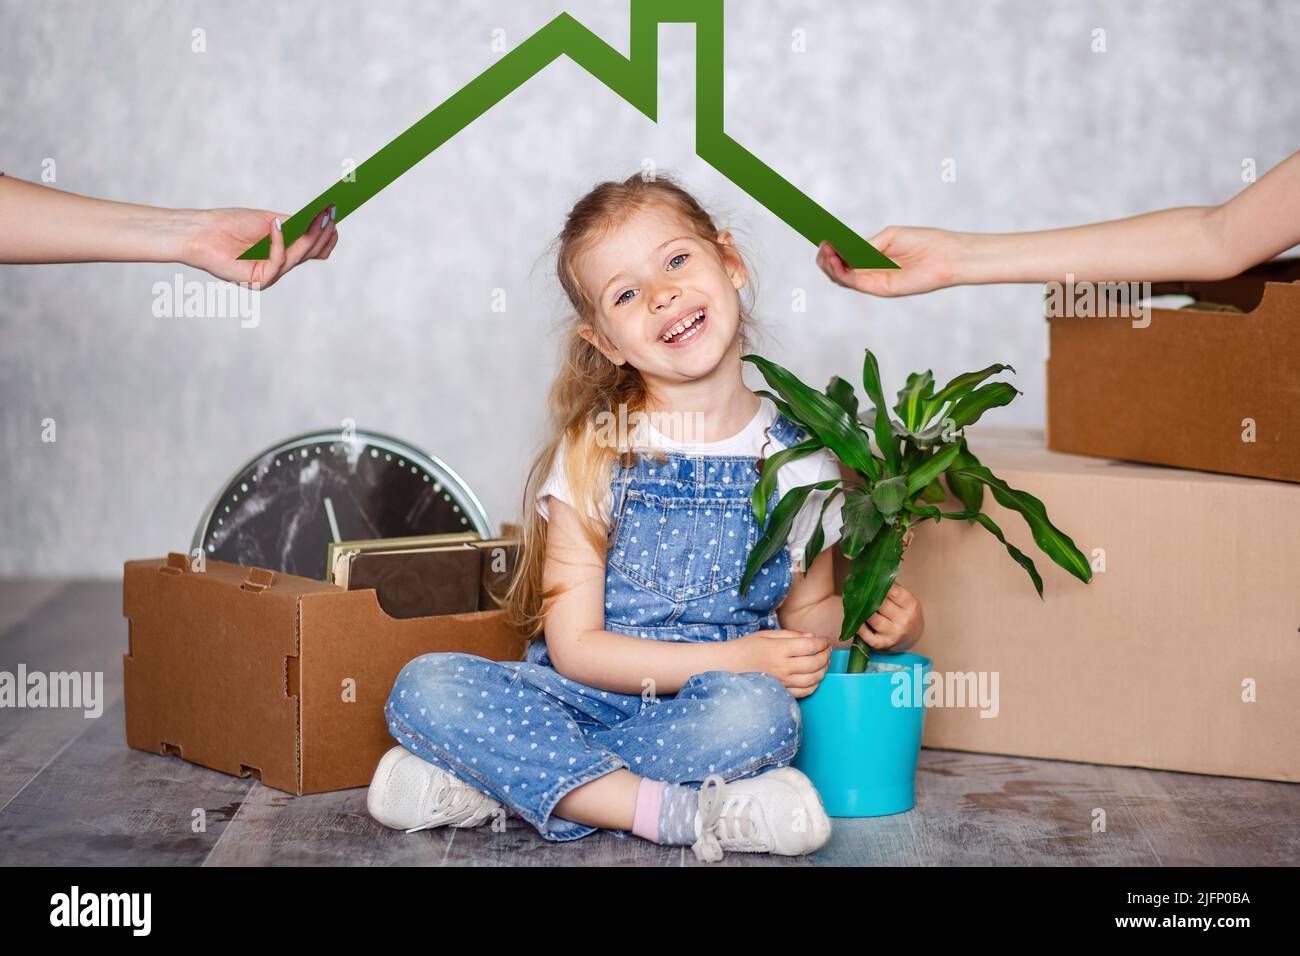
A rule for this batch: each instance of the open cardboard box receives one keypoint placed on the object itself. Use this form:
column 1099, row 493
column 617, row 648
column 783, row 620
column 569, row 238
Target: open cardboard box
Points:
column 1185, row 389
column 1182, row 654
column 250, row 671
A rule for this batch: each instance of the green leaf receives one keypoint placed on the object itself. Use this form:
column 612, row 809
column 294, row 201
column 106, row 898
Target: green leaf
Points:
column 889, row 495
column 926, row 511
column 1021, row 558
column 1054, row 543
column 767, row 477
column 776, row 533
column 912, row 457
column 967, row 490
column 813, row 547
column 912, row 398
column 841, row 392
column 884, row 434
column 969, row 409
column 931, row 468
column 958, row 387
column 818, row 536
column 871, row 574
column 926, row 437
column 780, row 404
column 861, row 522
column 934, row 493
column 822, row 417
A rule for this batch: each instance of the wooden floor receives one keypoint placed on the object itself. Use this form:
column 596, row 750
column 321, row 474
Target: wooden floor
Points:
column 73, row 793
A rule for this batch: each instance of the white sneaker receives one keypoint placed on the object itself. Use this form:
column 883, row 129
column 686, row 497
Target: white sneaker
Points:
column 411, row 794
column 777, row 812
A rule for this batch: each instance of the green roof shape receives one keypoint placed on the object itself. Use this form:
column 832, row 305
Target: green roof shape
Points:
column 635, row 78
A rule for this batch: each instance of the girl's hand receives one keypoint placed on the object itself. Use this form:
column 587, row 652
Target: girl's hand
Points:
column 798, row 658
column 219, row 236
column 897, row 625
column 926, row 258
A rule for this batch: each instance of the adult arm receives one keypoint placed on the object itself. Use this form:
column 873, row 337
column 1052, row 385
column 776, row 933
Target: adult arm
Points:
column 39, row 224
column 1190, row 242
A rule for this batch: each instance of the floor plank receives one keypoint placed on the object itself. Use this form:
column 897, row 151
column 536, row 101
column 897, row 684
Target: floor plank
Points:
column 20, row 597
column 82, row 629
column 1195, row 820
column 278, row 829
column 72, row 792
column 1010, row 811
column 518, row 844
column 101, row 803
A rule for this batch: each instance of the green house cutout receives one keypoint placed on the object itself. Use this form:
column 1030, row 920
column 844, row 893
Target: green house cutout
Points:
column 635, row 78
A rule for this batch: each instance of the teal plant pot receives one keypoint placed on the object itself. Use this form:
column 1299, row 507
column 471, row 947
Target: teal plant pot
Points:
column 862, row 736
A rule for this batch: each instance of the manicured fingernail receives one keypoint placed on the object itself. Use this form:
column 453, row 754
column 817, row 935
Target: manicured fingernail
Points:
column 324, row 220
column 333, row 211
column 277, row 224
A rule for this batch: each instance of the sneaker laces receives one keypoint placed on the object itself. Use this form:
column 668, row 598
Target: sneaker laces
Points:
column 451, row 797
column 721, row 817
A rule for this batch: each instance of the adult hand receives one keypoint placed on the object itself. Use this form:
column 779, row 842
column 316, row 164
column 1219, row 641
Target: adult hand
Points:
column 926, row 259
column 219, row 236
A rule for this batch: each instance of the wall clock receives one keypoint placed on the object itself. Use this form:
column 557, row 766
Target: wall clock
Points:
column 283, row 508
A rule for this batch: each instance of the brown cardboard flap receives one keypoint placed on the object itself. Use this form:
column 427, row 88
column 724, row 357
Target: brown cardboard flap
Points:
column 1280, row 298
column 1243, row 291
column 351, row 654
column 196, row 685
column 1183, row 390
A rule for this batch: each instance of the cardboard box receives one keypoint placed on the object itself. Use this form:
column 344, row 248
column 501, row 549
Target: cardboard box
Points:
column 1198, row 604
column 250, row 671
column 1185, row 389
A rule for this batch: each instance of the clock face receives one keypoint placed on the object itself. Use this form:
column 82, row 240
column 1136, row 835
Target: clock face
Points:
column 282, row 509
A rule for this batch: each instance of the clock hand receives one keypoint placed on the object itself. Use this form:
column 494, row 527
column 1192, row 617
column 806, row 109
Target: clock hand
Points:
column 334, row 525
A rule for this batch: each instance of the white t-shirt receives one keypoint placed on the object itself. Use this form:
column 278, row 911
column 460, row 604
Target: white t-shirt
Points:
column 749, row 441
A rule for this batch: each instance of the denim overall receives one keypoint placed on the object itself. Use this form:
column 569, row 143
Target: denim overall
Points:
column 519, row 730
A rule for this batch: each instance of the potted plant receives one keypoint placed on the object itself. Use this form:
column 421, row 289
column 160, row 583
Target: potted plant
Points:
column 862, row 727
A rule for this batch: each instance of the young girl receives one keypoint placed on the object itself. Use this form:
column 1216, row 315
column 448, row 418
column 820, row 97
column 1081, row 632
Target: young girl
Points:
column 655, row 699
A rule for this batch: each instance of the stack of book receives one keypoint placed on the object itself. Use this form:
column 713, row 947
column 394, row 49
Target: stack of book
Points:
column 422, row 575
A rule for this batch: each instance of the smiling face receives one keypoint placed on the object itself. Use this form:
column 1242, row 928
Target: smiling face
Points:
column 665, row 300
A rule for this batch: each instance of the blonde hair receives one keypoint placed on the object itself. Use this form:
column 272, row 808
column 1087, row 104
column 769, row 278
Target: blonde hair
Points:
column 587, row 383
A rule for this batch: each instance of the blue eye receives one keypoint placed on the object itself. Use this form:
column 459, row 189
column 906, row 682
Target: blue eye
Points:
column 681, row 255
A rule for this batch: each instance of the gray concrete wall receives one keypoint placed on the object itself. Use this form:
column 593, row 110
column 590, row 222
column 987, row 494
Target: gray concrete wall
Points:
column 397, row 330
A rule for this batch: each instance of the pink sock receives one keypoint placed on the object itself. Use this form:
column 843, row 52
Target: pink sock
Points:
column 645, row 822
